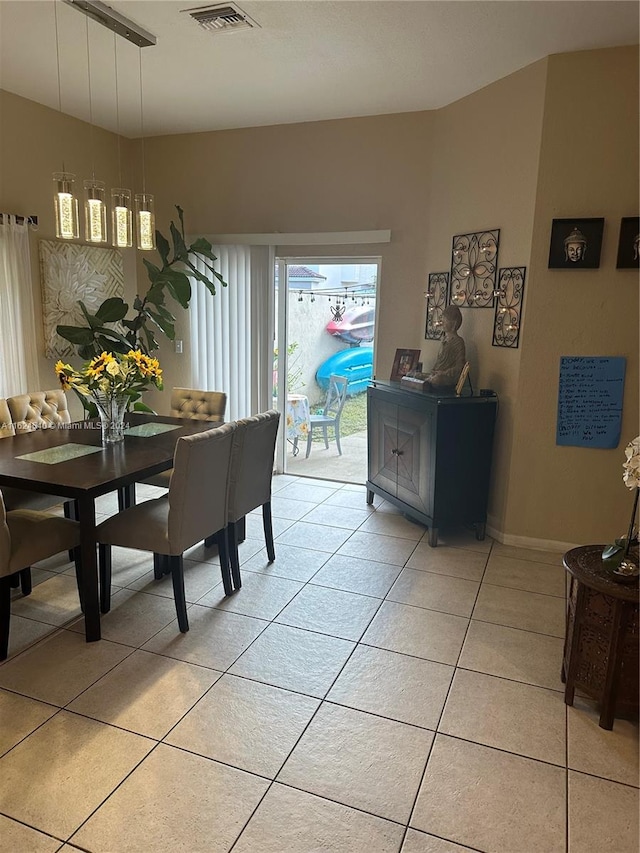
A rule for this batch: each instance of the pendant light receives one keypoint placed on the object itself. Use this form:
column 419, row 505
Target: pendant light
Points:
column 121, row 216
column 64, row 198
column 145, row 213
column 95, row 209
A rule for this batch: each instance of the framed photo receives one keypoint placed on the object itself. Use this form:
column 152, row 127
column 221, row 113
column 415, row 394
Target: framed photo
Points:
column 629, row 243
column 575, row 244
column 406, row 361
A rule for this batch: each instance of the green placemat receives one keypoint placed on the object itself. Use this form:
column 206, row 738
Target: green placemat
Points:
column 144, row 430
column 53, row 455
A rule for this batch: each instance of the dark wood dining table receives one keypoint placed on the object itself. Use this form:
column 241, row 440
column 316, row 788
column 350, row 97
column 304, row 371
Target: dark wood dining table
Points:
column 89, row 474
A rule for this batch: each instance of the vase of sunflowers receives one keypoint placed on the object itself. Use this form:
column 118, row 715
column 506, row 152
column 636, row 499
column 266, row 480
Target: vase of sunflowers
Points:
column 114, row 383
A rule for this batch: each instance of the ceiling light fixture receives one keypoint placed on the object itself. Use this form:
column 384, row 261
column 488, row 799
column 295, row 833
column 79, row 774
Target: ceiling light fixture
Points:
column 121, row 216
column 145, row 213
column 95, row 210
column 64, row 198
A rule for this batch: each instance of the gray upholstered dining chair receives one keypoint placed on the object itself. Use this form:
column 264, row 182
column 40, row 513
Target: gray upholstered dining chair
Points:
column 27, row 536
column 195, row 505
column 252, row 455
column 336, row 397
column 195, row 405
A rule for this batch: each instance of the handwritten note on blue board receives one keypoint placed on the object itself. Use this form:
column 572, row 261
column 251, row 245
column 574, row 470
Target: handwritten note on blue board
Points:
column 590, row 401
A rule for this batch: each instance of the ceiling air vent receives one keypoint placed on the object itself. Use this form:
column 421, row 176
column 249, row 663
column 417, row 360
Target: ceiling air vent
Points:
column 222, row 18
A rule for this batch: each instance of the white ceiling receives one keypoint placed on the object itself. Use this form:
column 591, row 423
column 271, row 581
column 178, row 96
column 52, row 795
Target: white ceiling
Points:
column 308, row 60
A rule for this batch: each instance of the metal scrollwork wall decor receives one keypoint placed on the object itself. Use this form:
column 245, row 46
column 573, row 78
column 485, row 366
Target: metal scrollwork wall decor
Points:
column 474, row 259
column 508, row 294
column 437, row 295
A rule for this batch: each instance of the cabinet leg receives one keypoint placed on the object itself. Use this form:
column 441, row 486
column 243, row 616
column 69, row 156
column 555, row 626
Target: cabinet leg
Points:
column 369, row 497
column 433, row 536
column 481, row 529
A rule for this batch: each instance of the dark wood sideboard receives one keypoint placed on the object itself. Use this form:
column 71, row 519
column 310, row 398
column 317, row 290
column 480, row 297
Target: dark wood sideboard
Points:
column 430, row 454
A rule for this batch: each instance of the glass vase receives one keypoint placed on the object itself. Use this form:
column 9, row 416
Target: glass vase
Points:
column 112, row 409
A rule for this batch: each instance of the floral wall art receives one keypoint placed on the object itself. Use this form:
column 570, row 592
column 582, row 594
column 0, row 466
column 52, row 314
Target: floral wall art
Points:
column 70, row 272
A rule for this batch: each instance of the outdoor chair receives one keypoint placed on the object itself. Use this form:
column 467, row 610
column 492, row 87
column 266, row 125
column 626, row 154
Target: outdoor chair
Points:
column 27, row 536
column 336, row 397
column 196, row 504
column 254, row 444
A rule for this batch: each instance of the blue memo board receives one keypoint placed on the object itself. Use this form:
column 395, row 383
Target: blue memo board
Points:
column 590, row 401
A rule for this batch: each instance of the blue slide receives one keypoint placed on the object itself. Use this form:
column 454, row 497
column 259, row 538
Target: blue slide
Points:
column 355, row 363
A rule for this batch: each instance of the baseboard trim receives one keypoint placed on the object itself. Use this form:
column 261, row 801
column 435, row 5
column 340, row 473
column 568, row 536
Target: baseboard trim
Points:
column 529, row 541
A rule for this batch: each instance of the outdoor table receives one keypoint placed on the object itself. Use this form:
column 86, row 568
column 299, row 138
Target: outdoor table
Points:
column 297, row 419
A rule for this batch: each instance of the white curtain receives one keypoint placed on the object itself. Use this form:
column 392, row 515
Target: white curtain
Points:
column 18, row 362
column 232, row 332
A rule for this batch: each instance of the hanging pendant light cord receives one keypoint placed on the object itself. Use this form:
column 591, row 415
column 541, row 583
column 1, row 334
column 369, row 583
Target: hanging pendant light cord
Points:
column 55, row 15
column 144, row 188
column 115, row 62
column 93, row 153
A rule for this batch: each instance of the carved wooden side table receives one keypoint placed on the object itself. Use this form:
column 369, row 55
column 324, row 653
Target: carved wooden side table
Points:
column 601, row 641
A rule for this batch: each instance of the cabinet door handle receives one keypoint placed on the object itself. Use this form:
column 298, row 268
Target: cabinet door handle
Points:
column 397, row 452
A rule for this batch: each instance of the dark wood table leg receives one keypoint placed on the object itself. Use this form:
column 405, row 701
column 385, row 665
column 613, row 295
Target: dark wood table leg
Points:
column 89, row 568
column 614, row 662
column 126, row 496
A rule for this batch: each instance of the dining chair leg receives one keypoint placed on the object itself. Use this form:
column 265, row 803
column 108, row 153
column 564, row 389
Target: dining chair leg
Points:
column 25, row 581
column 104, row 561
column 309, row 437
column 176, row 565
column 325, row 432
column 5, row 615
column 14, row 581
column 268, row 531
column 158, row 566
column 337, row 432
column 234, row 556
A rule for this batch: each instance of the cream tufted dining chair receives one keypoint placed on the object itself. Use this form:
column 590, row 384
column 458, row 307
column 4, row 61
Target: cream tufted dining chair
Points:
column 38, row 410
column 194, row 405
column 27, row 536
column 196, row 504
column 250, row 478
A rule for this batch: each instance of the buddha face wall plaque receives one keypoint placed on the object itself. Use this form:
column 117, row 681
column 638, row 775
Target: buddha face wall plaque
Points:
column 575, row 243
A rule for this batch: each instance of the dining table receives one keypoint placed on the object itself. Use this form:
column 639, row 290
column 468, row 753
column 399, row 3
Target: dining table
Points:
column 71, row 461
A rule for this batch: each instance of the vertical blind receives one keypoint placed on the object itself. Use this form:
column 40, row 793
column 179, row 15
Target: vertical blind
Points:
column 232, row 332
column 18, row 363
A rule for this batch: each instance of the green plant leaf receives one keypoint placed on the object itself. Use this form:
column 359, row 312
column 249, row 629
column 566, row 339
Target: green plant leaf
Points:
column 152, row 270
column 112, row 310
column 180, row 217
column 90, row 318
column 179, row 286
column 113, row 335
column 162, row 245
column 179, row 247
column 204, row 279
column 201, row 246
column 152, row 343
column 142, row 407
column 155, row 294
column 166, row 327
column 76, row 334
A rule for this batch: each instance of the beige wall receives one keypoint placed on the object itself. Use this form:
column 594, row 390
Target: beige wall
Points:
column 556, row 139
column 588, row 167
column 484, row 164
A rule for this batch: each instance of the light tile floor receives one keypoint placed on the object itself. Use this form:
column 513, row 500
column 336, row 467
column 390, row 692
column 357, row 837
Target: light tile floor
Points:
column 365, row 693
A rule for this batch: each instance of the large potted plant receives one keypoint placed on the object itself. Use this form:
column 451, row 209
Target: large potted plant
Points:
column 116, row 327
